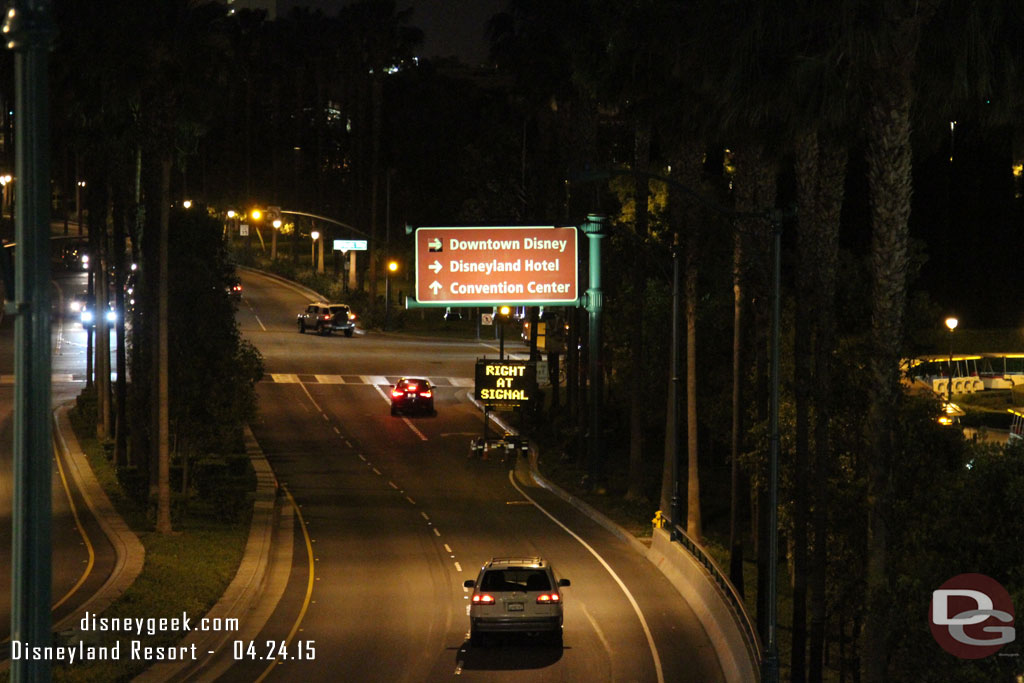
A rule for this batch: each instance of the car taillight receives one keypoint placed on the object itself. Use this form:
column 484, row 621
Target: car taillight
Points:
column 397, row 393
column 425, row 394
column 351, row 316
column 548, row 598
column 483, row 599
column 325, row 316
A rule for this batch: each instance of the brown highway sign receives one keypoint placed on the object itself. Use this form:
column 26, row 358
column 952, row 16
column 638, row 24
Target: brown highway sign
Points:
column 530, row 266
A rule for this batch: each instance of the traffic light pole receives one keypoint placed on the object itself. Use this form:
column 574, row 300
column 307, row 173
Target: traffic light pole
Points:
column 29, row 30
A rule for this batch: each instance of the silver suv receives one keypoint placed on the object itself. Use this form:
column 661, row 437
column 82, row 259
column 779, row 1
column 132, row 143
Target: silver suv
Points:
column 326, row 318
column 516, row 594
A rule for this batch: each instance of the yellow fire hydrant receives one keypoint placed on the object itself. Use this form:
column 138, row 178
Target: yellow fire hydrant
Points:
column 659, row 520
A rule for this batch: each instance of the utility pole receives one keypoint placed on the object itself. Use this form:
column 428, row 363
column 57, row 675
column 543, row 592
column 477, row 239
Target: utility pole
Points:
column 29, row 30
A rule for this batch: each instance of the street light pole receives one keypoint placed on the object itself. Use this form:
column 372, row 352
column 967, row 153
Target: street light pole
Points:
column 29, row 29
column 951, row 323
column 392, row 267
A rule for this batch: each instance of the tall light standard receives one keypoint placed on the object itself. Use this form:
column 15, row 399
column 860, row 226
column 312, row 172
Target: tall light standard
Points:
column 273, row 239
column 951, row 323
column 392, row 267
column 313, row 236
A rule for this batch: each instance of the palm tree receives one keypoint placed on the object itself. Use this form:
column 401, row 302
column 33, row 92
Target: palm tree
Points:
column 378, row 39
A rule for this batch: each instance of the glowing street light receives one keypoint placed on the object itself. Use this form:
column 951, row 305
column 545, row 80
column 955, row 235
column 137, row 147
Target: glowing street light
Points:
column 951, row 323
column 392, row 268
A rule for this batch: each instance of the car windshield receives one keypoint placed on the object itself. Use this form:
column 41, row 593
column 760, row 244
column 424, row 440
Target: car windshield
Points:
column 515, row 580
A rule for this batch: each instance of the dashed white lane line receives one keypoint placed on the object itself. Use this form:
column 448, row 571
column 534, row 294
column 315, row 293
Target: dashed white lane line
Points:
column 425, row 516
column 411, row 501
column 376, row 471
column 458, row 567
column 437, row 532
column 447, row 548
column 393, row 485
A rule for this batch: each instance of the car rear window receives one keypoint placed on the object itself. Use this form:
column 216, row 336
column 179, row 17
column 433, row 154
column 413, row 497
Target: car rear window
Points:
column 515, row 580
column 339, row 310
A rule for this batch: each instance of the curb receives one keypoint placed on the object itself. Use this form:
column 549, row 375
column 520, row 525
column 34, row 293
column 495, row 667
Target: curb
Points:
column 130, row 554
column 129, row 551
column 243, row 593
column 304, row 291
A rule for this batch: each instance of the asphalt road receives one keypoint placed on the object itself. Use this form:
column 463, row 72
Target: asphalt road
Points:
column 392, row 517
column 82, row 556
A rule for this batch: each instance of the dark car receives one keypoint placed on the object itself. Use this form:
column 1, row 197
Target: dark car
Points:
column 326, row 318
column 234, row 290
column 412, row 395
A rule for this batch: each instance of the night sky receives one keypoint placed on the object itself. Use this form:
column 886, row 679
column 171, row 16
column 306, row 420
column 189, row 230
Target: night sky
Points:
column 450, row 27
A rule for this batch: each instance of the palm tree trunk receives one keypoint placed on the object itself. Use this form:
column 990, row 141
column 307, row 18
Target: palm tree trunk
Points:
column 693, row 519
column 735, row 476
column 119, row 215
column 637, row 386
column 163, row 510
column 888, row 157
column 807, row 192
column 832, row 176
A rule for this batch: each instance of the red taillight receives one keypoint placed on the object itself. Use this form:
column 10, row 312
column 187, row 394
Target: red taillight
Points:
column 325, row 316
column 351, row 316
column 483, row 599
column 397, row 393
column 548, row 598
column 425, row 394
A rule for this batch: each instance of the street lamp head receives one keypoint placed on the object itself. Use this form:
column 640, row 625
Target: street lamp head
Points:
column 392, row 266
column 256, row 214
column 187, row 203
column 277, row 222
column 314, row 235
column 231, row 213
column 951, row 323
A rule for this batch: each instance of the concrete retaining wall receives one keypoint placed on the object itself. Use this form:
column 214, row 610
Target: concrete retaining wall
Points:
column 739, row 662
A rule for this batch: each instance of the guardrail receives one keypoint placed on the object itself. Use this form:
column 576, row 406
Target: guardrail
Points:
column 753, row 642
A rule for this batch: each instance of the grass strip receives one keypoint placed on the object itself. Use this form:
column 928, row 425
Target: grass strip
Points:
column 185, row 572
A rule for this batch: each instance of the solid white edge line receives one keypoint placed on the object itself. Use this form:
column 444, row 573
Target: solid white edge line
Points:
column 629, row 596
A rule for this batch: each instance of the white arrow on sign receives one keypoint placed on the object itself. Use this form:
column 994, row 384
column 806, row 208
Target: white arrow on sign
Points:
column 435, row 286
column 435, row 266
column 434, row 244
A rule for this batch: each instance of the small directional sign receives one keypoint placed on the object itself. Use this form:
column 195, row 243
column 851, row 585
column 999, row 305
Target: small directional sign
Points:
column 349, row 245
column 534, row 265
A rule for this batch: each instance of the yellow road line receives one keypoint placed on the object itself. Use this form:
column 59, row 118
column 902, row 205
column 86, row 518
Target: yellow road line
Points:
column 309, row 584
column 81, row 532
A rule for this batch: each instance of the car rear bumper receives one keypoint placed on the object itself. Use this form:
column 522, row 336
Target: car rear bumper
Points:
column 516, row 625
